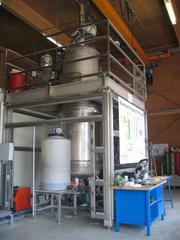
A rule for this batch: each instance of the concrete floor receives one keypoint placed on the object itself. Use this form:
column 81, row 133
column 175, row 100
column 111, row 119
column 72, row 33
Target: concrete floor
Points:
column 83, row 228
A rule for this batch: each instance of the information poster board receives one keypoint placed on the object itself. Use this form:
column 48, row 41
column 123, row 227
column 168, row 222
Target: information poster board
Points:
column 131, row 132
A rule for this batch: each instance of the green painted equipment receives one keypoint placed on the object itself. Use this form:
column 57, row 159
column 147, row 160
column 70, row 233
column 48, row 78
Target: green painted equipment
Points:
column 167, row 164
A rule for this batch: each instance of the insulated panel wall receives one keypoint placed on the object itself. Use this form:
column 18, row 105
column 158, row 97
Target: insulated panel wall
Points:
column 23, row 159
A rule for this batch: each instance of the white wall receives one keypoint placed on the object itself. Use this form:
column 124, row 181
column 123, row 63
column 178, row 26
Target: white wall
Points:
column 23, row 160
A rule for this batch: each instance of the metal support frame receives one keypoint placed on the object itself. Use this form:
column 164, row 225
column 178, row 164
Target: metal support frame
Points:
column 108, row 158
column 7, row 169
column 110, row 13
column 5, row 214
column 93, row 178
column 2, row 166
column 110, row 37
column 105, row 96
column 33, row 170
column 58, row 194
column 93, row 118
column 103, row 90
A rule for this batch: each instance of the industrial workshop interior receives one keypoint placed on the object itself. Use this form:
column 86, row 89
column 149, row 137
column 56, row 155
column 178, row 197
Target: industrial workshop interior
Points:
column 89, row 119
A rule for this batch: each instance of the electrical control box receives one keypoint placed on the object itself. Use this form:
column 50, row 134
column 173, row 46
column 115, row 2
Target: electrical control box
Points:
column 6, row 151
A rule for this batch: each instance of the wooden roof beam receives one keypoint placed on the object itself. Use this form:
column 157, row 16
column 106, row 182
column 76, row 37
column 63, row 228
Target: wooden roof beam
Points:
column 27, row 14
column 110, row 13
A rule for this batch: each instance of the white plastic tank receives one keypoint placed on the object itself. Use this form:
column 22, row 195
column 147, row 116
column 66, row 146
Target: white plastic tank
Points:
column 55, row 163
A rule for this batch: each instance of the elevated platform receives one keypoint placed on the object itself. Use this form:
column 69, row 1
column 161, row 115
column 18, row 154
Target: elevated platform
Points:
column 74, row 90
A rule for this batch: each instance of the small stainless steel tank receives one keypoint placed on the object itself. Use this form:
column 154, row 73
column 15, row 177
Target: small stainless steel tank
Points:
column 79, row 68
column 82, row 137
column 46, row 73
column 46, row 60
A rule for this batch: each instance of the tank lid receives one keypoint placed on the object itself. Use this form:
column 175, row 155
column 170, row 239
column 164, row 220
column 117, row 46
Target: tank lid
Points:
column 56, row 132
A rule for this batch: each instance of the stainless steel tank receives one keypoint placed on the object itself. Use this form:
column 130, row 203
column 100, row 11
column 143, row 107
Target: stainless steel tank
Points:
column 82, row 137
column 46, row 73
column 46, row 60
column 79, row 68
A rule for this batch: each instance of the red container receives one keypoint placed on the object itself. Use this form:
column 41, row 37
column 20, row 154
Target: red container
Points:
column 16, row 81
column 177, row 159
column 22, row 199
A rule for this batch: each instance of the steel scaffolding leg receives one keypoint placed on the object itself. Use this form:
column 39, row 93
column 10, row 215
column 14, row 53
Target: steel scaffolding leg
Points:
column 7, row 169
column 109, row 158
column 33, row 166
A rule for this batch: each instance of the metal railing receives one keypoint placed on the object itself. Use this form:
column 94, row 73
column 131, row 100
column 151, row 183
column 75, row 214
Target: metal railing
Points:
column 118, row 61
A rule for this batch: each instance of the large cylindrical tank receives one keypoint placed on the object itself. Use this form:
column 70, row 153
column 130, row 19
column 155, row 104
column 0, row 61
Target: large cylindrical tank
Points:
column 55, row 163
column 82, row 137
column 79, row 68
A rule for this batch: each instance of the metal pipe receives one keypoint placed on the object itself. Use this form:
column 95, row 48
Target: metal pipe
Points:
column 94, row 118
column 21, row 56
column 54, row 102
column 2, row 166
column 164, row 112
column 128, row 45
column 160, row 57
column 111, row 130
column 107, row 160
column 129, row 59
column 127, row 87
column 126, row 70
column 108, row 49
column 81, row 59
column 26, row 149
column 60, row 64
column 15, row 66
column 146, row 133
column 94, row 39
column 33, row 166
column 2, row 120
column 34, row 113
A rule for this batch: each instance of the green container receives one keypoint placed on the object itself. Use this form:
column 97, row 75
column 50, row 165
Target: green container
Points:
column 167, row 164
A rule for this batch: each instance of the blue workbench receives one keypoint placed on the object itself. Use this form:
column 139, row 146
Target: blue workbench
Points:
column 139, row 205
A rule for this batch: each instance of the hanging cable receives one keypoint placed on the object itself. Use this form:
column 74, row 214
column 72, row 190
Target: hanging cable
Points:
column 121, row 8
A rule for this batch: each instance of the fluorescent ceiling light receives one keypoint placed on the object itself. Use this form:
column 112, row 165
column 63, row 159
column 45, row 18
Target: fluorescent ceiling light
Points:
column 170, row 10
column 54, row 41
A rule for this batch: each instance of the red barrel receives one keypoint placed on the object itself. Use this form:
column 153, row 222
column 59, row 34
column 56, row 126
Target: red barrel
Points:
column 177, row 160
column 16, row 81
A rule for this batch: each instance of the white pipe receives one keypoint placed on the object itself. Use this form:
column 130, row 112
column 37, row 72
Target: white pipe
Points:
column 2, row 110
column 33, row 168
